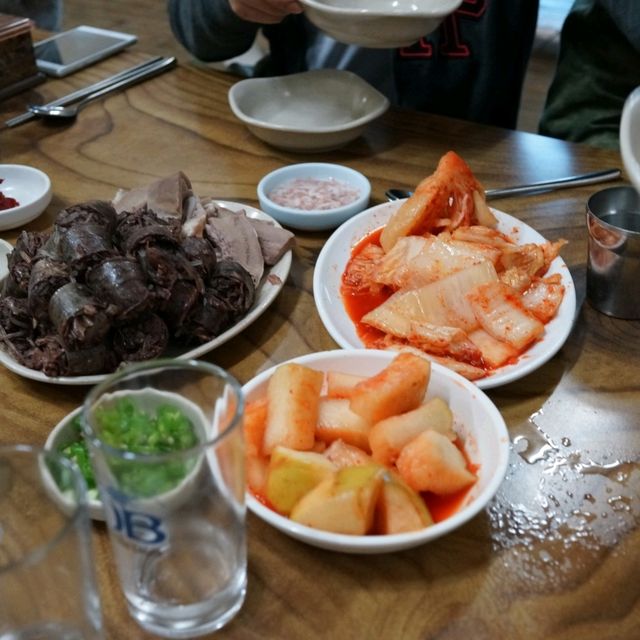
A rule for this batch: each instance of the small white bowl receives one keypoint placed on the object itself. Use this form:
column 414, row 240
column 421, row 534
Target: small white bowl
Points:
column 62, row 435
column 307, row 112
column 315, row 219
column 381, row 24
column 30, row 187
column 146, row 399
column 477, row 421
column 630, row 137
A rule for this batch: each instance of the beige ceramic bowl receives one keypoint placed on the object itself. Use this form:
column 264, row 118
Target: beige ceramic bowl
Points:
column 378, row 24
column 307, row 112
column 630, row 137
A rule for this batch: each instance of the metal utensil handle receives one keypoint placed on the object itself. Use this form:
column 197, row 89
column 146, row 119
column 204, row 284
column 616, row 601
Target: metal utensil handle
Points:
column 63, row 101
column 129, row 80
column 561, row 183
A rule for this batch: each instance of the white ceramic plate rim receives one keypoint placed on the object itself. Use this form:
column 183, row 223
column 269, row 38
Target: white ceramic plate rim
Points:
column 347, row 126
column 630, row 137
column 5, row 249
column 95, row 505
column 393, row 542
column 337, row 251
column 272, row 282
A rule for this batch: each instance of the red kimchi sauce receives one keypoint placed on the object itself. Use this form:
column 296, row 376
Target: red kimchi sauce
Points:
column 358, row 303
column 440, row 507
column 6, row 202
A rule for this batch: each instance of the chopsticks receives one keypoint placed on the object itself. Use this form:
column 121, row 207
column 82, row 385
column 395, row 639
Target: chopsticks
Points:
column 149, row 68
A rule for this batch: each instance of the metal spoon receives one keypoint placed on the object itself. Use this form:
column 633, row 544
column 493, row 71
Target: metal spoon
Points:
column 534, row 187
column 58, row 112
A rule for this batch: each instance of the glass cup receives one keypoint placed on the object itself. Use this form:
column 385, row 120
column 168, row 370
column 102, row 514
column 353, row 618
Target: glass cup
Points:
column 47, row 583
column 167, row 447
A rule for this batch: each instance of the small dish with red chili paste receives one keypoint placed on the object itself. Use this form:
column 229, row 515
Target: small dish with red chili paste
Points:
column 25, row 192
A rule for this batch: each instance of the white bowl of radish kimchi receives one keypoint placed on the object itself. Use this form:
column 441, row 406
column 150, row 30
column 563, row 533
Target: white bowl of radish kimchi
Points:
column 368, row 451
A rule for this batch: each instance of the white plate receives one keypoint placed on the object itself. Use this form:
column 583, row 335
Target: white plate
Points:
column 5, row 249
column 477, row 421
column 272, row 282
column 336, row 253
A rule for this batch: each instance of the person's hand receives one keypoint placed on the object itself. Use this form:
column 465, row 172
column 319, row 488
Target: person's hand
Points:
column 264, row 11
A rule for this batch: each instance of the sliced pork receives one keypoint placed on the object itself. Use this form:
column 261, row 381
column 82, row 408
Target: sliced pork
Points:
column 235, row 239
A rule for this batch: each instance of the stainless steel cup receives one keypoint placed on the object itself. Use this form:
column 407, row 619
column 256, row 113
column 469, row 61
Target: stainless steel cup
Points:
column 613, row 267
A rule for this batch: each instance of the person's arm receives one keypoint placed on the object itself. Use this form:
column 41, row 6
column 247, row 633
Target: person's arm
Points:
column 214, row 30
column 598, row 66
column 209, row 29
column 47, row 14
column 626, row 15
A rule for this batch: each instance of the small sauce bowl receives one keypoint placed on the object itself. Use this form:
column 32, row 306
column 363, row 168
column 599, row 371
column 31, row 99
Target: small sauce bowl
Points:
column 337, row 177
column 30, row 187
column 63, row 434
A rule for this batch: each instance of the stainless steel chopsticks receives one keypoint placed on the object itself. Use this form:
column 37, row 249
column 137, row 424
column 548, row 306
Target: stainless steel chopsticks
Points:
column 140, row 71
column 559, row 183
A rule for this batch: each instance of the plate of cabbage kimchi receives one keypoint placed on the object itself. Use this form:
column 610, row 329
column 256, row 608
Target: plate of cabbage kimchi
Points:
column 444, row 275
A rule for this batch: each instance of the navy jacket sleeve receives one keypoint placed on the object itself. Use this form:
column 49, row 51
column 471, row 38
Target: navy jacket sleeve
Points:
column 209, row 29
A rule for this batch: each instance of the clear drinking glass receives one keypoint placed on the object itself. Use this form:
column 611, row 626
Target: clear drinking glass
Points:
column 47, row 583
column 167, row 447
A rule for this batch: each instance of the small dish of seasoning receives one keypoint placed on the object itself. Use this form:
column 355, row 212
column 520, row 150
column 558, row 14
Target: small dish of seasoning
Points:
column 25, row 193
column 66, row 437
column 313, row 196
column 146, row 422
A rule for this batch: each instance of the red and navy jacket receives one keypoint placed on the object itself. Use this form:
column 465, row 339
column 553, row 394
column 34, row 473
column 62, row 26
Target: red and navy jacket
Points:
column 472, row 67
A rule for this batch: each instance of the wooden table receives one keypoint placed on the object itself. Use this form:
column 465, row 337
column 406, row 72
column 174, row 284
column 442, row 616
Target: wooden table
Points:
column 557, row 553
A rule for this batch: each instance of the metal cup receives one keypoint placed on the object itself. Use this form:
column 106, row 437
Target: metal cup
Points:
column 613, row 268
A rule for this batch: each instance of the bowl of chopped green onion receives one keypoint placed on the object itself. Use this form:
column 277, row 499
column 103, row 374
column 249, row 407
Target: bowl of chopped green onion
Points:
column 145, row 422
column 67, row 438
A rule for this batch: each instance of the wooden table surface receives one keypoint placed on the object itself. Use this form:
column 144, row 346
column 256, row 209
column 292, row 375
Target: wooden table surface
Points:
column 557, row 552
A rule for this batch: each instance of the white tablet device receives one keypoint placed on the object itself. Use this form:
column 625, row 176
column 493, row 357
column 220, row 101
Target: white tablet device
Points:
column 71, row 50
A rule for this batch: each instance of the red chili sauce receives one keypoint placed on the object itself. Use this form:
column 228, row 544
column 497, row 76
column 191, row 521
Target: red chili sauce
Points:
column 443, row 507
column 357, row 303
column 6, row 202
column 440, row 507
